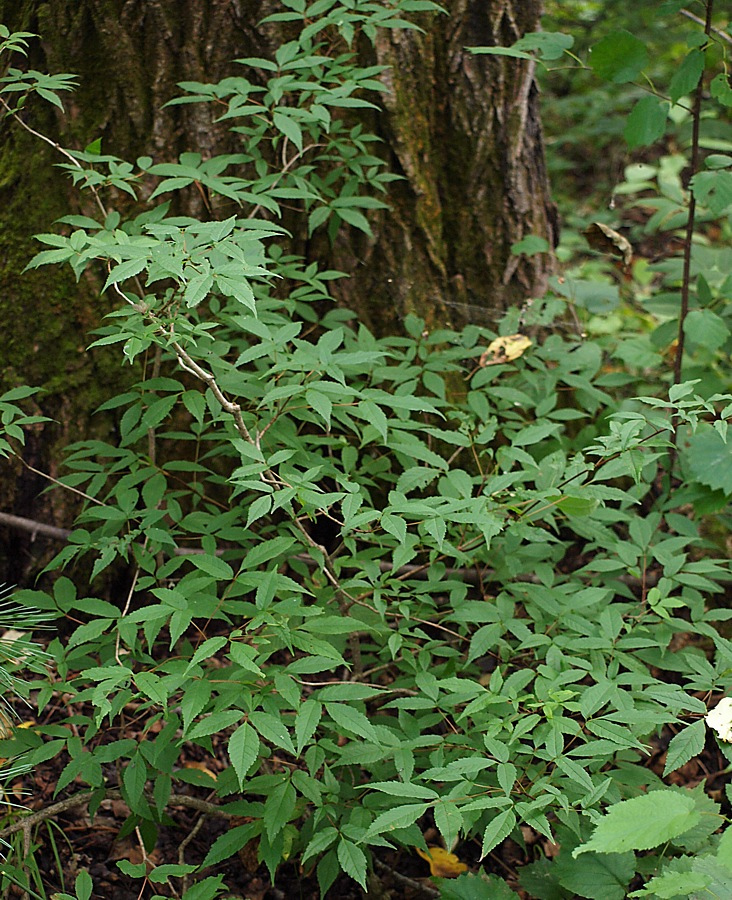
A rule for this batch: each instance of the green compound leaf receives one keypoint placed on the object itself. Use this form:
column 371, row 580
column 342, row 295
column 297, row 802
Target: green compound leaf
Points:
column 642, row 823
column 619, row 57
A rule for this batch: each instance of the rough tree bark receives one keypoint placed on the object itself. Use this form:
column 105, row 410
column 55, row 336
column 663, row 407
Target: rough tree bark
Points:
column 462, row 130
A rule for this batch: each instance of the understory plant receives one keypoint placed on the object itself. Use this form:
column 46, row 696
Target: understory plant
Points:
column 406, row 582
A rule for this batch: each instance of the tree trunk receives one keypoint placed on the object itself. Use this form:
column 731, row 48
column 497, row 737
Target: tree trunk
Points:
column 462, row 130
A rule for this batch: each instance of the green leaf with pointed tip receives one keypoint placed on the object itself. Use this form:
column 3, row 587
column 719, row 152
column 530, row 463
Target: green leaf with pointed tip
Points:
column 353, row 860
column 642, row 823
column 243, row 751
column 687, row 744
column 686, row 77
column 497, row 830
column 647, row 122
column 619, row 57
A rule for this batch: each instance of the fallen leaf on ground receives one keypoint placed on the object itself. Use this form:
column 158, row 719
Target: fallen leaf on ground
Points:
column 505, row 349
column 443, row 864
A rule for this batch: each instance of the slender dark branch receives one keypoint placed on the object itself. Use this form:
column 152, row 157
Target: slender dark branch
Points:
column 55, row 809
column 688, row 238
column 22, row 524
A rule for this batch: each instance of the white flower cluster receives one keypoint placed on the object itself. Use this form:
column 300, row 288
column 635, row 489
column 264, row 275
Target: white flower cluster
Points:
column 720, row 719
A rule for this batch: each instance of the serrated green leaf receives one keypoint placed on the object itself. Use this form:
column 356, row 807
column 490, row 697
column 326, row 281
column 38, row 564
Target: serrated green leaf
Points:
column 402, row 789
column 397, row 818
column 306, row 722
column 212, row 565
column 353, row 860
column 229, row 843
column 216, row 722
column 685, row 745
column 642, row 823
column 271, row 729
column 243, row 751
column 498, row 829
column 278, row 808
column 448, row 821
column 352, row 721
column 710, row 460
column 289, row 127
column 134, row 778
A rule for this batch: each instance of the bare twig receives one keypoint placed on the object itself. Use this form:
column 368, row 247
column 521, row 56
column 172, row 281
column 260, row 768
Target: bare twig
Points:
column 55, row 809
column 411, row 883
column 184, row 846
column 717, row 31
column 22, row 524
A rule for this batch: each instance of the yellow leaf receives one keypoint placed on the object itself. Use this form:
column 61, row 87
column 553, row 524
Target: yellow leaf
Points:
column 442, row 863
column 504, row 349
column 202, row 767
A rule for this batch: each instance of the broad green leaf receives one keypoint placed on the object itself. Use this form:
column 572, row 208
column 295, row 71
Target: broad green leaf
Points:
column 686, row 77
column 134, row 778
column 713, row 190
column 710, row 460
column 706, row 328
column 646, row 123
column 476, row 887
column 550, row 44
column 605, row 875
column 530, row 245
column 83, row 886
column 720, row 89
column 619, row 57
column 642, row 823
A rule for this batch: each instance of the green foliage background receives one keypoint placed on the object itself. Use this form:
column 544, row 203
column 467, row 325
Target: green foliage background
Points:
column 405, row 581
